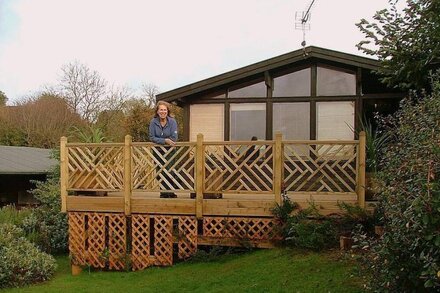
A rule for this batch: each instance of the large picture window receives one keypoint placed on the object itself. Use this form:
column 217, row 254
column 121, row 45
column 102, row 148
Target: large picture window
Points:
column 292, row 120
column 258, row 90
column 207, row 119
column 335, row 120
column 334, row 82
column 295, row 84
column 247, row 120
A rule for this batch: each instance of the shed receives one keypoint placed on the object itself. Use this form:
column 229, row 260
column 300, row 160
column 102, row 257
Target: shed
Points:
column 307, row 94
column 19, row 167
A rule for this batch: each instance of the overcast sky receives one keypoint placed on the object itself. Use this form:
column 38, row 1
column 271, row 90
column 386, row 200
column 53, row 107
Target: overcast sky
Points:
column 164, row 42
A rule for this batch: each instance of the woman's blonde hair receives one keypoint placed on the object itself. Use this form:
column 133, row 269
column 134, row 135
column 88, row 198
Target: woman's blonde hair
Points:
column 163, row 103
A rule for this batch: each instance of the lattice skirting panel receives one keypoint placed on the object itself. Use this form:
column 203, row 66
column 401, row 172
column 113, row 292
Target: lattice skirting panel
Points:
column 98, row 240
column 116, row 242
column 239, row 228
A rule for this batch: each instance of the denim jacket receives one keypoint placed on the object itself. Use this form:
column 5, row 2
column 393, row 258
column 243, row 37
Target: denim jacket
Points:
column 158, row 133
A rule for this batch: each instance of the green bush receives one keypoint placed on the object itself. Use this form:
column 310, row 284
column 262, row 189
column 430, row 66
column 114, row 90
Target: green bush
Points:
column 407, row 257
column 10, row 215
column 353, row 215
column 21, row 263
column 47, row 227
column 283, row 214
column 313, row 234
column 303, row 228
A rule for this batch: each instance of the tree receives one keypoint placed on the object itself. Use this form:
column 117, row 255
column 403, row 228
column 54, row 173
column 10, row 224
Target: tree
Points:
column 138, row 115
column 111, row 117
column 111, row 122
column 37, row 121
column 149, row 91
column 3, row 99
column 405, row 42
column 84, row 90
column 10, row 133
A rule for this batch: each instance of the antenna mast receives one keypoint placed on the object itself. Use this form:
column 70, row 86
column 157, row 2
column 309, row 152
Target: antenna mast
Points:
column 302, row 21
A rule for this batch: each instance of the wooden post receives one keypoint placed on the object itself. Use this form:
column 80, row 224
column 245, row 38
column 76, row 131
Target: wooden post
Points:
column 76, row 270
column 64, row 173
column 278, row 167
column 199, row 175
column 361, row 178
column 127, row 175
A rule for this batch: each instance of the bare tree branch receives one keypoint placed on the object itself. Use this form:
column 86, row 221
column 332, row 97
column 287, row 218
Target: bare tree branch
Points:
column 149, row 92
column 84, row 90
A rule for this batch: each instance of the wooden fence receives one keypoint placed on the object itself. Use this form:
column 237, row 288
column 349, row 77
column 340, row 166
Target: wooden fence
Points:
column 225, row 191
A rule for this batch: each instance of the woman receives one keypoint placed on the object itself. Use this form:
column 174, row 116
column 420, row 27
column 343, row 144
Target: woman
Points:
column 163, row 127
column 163, row 130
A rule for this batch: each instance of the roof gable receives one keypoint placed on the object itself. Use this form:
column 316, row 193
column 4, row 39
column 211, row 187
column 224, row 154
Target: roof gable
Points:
column 300, row 55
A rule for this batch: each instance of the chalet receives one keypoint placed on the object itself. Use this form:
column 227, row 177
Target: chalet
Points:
column 302, row 106
column 311, row 93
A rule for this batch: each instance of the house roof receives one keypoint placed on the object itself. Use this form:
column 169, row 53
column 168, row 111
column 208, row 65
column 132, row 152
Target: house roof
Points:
column 269, row 64
column 25, row 160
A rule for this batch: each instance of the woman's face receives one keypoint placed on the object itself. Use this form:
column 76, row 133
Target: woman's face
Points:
column 162, row 111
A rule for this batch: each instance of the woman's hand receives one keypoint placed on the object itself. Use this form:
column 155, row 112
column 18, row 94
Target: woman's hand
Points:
column 169, row 142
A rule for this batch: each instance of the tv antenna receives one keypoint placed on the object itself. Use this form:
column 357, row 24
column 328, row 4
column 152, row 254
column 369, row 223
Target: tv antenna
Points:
column 302, row 21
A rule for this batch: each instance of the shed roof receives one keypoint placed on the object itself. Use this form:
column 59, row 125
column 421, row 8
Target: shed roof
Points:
column 269, row 64
column 25, row 160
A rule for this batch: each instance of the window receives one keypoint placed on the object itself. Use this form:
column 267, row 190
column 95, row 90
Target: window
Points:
column 295, row 84
column 215, row 96
column 207, row 119
column 253, row 91
column 248, row 120
column 335, row 120
column 292, row 120
column 333, row 82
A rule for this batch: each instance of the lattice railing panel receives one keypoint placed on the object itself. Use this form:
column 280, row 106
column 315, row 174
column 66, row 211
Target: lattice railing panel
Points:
column 140, row 242
column 239, row 228
column 163, row 240
column 77, row 238
column 320, row 167
column 96, row 240
column 240, row 168
column 163, row 168
column 96, row 167
column 117, row 241
column 187, row 237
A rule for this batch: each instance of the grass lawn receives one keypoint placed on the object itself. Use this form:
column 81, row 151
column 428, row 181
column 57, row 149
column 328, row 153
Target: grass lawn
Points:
column 272, row 270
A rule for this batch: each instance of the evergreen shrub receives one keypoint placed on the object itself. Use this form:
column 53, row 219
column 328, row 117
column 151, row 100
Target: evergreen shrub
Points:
column 21, row 262
column 407, row 257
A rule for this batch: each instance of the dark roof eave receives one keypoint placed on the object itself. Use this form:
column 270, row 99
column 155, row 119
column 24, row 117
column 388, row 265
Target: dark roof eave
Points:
column 243, row 72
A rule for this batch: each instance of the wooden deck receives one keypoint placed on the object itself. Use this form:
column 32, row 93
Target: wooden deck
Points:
column 225, row 192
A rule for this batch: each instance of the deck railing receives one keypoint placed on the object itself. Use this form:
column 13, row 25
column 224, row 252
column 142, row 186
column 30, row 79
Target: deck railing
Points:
column 267, row 168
